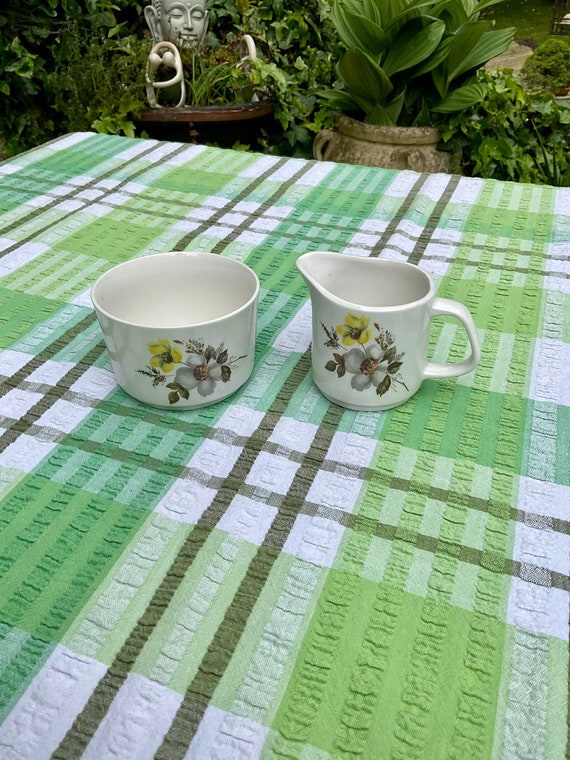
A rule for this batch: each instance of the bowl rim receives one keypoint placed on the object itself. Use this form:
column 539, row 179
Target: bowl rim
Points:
column 232, row 263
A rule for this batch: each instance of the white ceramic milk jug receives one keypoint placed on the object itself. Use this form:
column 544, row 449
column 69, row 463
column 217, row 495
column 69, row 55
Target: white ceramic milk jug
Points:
column 371, row 320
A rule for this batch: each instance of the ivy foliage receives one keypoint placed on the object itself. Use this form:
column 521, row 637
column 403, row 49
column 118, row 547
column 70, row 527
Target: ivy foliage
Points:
column 298, row 50
column 32, row 48
column 513, row 134
column 79, row 64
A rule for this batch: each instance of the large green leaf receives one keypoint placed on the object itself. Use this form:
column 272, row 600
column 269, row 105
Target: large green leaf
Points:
column 386, row 114
column 439, row 79
column 462, row 98
column 357, row 31
column 389, row 10
column 463, row 42
column 364, row 80
column 452, row 12
column 340, row 100
column 381, row 116
column 490, row 45
column 371, row 10
column 395, row 105
column 413, row 10
column 439, row 55
column 413, row 44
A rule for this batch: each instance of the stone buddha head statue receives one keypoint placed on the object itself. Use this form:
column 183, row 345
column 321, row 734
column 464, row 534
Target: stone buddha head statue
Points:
column 182, row 22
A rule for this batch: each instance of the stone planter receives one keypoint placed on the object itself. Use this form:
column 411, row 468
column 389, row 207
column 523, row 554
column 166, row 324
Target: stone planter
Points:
column 355, row 142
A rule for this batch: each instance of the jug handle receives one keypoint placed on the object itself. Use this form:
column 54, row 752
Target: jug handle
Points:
column 444, row 307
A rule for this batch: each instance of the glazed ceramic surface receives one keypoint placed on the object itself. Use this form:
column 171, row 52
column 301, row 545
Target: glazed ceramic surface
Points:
column 179, row 327
column 371, row 321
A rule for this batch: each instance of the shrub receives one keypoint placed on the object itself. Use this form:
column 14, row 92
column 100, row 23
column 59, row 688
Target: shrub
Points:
column 513, row 134
column 80, row 65
column 548, row 67
column 98, row 81
column 33, row 46
column 408, row 60
column 298, row 49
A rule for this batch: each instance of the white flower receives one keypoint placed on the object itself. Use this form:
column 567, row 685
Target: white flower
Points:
column 368, row 365
column 201, row 373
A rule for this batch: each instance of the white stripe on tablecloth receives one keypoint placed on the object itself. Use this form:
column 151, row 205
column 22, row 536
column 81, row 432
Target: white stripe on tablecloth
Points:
column 135, row 725
column 48, row 707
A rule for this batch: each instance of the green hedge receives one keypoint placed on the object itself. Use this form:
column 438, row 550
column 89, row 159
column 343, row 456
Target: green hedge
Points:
column 62, row 63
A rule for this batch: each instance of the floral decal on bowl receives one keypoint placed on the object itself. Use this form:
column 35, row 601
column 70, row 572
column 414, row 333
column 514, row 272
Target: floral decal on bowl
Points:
column 199, row 367
column 365, row 351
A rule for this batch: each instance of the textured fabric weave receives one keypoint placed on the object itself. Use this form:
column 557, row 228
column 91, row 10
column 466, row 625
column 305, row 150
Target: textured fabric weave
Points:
column 273, row 576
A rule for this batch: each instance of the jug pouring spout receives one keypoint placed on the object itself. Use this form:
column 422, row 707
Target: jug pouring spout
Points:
column 361, row 282
column 313, row 268
column 327, row 276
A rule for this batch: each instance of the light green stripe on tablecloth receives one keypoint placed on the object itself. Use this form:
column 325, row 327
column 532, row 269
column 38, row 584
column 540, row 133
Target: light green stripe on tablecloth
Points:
column 21, row 657
column 127, row 589
column 255, row 679
column 57, row 275
column 20, row 314
column 181, row 637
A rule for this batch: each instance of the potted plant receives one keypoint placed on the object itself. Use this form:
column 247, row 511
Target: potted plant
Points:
column 408, row 64
column 215, row 96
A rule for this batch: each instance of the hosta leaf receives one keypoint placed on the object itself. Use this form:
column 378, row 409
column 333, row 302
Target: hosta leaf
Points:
column 490, row 45
column 380, row 116
column 484, row 4
column 386, row 115
column 364, row 80
column 357, row 31
column 392, row 10
column 373, row 11
column 413, row 44
column 462, row 98
column 463, row 43
column 452, row 12
column 406, row 12
column 440, row 81
column 340, row 99
column 439, row 55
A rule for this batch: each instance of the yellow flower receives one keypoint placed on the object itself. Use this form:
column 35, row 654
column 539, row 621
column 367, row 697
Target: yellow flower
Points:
column 354, row 330
column 164, row 356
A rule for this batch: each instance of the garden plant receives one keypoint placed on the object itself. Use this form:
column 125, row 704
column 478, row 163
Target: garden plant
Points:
column 70, row 65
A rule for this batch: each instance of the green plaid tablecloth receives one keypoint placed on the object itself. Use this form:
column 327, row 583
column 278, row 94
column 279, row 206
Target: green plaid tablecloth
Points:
column 273, row 576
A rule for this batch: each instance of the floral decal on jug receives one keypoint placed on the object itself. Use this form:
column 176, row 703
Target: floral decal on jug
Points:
column 372, row 359
column 200, row 367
